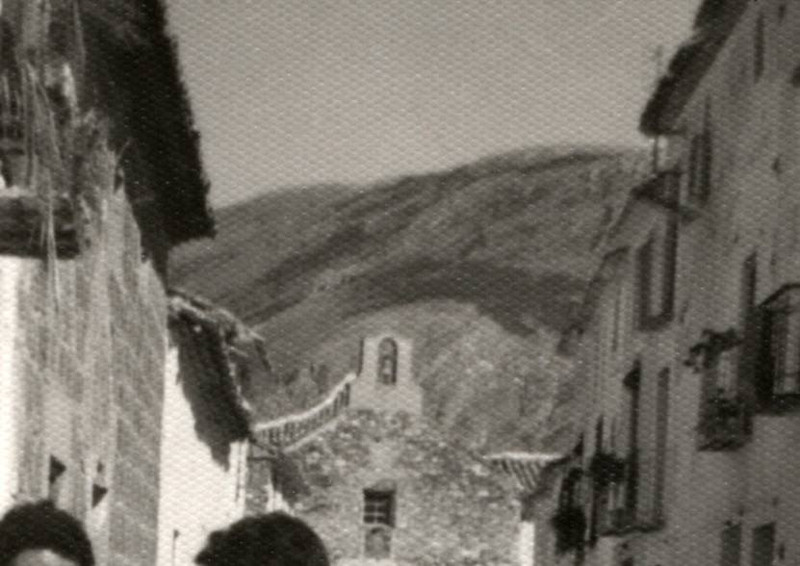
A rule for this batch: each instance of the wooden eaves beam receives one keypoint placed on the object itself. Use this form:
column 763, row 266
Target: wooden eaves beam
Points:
column 23, row 227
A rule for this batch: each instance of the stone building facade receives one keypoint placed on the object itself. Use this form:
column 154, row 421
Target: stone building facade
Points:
column 83, row 257
column 688, row 453
column 382, row 486
column 88, row 364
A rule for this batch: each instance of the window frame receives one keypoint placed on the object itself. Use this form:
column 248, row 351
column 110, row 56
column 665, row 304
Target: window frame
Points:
column 392, row 355
column 661, row 246
column 773, row 336
column 371, row 517
column 760, row 47
column 731, row 545
column 759, row 539
column 372, row 523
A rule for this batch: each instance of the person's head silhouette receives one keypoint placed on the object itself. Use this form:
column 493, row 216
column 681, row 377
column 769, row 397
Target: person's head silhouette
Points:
column 273, row 539
column 39, row 534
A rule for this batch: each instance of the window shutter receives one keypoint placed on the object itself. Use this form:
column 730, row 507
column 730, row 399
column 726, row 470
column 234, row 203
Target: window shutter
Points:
column 662, row 438
column 644, row 263
column 706, row 163
column 670, row 268
column 759, row 48
column 750, row 323
column 692, row 178
column 763, row 549
column 731, row 546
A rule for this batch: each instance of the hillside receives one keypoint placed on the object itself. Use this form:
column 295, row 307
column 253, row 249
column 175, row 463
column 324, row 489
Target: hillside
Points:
column 483, row 265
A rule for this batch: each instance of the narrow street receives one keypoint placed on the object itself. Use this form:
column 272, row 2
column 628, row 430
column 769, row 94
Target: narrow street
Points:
column 399, row 283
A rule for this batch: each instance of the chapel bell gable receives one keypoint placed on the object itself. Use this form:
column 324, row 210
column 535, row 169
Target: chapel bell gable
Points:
column 386, row 380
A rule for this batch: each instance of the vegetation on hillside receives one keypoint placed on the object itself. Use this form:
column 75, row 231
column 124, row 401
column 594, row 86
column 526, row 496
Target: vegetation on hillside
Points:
column 483, row 266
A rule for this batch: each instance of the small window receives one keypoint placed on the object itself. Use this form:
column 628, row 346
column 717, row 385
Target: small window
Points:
column 731, row 546
column 781, row 344
column 749, row 286
column 379, row 508
column 759, row 47
column 618, row 317
column 656, row 265
column 763, row 551
column 379, row 522
column 644, row 261
column 662, row 438
column 701, row 153
column 387, row 362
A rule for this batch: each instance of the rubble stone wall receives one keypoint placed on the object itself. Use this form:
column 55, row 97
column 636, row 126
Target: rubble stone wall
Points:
column 91, row 358
column 449, row 508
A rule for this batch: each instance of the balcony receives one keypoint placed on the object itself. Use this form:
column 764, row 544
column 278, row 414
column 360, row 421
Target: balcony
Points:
column 724, row 424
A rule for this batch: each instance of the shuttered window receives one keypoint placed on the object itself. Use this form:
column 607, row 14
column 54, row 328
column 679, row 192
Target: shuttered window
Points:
column 763, row 550
column 731, row 546
column 661, row 444
column 759, row 48
column 657, row 268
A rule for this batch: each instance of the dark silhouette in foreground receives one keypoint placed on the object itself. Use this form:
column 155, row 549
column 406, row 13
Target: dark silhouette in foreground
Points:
column 39, row 534
column 274, row 539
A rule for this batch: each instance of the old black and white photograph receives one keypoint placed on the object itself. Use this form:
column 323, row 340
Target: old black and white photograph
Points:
column 399, row 282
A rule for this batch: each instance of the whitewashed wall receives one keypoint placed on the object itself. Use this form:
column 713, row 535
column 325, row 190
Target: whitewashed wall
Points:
column 10, row 269
column 197, row 495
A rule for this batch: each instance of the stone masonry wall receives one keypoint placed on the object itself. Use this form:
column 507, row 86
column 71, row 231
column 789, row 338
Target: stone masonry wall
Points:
column 449, row 509
column 92, row 353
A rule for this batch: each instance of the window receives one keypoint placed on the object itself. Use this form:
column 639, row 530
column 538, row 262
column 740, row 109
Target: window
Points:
column 749, row 286
column 379, row 521
column 763, row 551
column 759, row 47
column 598, row 435
column 701, row 157
column 656, row 264
column 570, row 496
column 662, row 436
column 706, row 150
column 619, row 317
column 387, row 362
column 780, row 344
column 379, row 508
column 644, row 262
column 632, row 385
column 701, row 153
column 731, row 546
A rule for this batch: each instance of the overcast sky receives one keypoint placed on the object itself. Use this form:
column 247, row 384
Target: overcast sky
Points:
column 290, row 92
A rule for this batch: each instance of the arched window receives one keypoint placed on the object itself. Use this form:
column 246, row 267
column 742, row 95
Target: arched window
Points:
column 387, row 362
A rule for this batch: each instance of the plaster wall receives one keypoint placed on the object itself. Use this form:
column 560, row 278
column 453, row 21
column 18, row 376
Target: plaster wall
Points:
column 90, row 355
column 198, row 493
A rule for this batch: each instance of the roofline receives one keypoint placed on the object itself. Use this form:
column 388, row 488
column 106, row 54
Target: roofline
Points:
column 714, row 24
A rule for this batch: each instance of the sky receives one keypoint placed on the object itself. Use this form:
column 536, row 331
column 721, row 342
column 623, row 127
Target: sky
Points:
column 296, row 92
